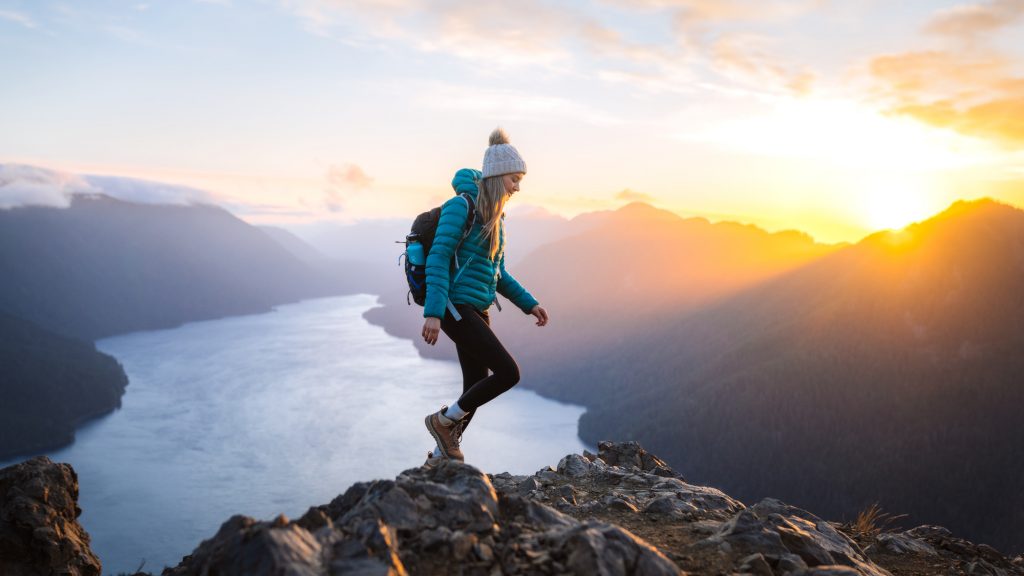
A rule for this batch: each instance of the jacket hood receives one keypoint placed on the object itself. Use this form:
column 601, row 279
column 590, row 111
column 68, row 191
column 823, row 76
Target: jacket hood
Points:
column 465, row 181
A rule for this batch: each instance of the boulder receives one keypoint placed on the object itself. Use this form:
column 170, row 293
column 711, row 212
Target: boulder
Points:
column 574, row 466
column 627, row 454
column 903, row 543
column 39, row 529
column 781, row 532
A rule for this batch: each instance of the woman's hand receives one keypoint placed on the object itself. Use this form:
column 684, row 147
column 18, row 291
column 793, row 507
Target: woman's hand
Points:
column 430, row 329
column 541, row 314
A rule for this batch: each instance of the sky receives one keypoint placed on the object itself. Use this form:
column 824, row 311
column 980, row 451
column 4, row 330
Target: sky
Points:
column 832, row 117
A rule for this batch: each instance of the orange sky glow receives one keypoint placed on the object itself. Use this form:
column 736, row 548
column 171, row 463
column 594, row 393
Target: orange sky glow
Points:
column 832, row 118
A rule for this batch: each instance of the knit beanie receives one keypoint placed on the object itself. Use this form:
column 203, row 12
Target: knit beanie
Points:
column 501, row 157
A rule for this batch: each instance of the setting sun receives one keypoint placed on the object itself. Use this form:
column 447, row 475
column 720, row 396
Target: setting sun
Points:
column 895, row 202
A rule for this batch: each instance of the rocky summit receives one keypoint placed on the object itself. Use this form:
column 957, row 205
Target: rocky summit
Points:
column 39, row 529
column 620, row 511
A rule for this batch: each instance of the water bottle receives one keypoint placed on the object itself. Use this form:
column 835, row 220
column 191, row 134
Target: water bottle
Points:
column 414, row 250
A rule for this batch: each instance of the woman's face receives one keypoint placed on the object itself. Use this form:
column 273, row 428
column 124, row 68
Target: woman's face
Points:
column 511, row 183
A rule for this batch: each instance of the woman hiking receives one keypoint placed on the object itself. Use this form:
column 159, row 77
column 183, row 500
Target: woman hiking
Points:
column 461, row 287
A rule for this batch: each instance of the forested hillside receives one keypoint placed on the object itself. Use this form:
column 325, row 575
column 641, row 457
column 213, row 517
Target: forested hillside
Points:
column 892, row 366
column 49, row 385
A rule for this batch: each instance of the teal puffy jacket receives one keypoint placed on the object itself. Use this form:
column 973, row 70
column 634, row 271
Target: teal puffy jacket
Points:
column 479, row 276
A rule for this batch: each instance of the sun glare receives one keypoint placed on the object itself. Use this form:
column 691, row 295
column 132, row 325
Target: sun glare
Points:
column 894, row 203
column 883, row 171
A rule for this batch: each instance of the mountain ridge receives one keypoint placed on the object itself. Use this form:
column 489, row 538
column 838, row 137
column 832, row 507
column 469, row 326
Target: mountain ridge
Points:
column 620, row 511
column 891, row 360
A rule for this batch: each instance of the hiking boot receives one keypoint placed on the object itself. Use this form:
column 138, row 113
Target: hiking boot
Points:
column 447, row 435
column 432, row 460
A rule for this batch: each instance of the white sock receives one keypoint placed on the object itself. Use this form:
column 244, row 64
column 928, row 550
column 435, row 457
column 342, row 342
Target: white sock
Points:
column 454, row 412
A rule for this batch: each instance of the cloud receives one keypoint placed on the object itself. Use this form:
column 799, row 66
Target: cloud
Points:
column 17, row 18
column 967, row 84
column 567, row 39
column 975, row 94
column 968, row 21
column 745, row 58
column 148, row 192
column 999, row 120
column 343, row 182
column 729, row 10
column 629, row 195
column 22, row 185
column 492, row 33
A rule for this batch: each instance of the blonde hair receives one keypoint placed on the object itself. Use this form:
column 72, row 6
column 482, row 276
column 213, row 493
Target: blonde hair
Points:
column 490, row 203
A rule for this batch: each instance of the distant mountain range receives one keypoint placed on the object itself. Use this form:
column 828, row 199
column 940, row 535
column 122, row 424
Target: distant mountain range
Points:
column 103, row 266
column 892, row 366
column 619, row 273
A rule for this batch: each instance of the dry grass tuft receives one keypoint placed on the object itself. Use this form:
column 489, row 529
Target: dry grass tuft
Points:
column 871, row 522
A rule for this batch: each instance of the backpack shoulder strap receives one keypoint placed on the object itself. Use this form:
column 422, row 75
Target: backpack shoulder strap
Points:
column 470, row 213
column 470, row 220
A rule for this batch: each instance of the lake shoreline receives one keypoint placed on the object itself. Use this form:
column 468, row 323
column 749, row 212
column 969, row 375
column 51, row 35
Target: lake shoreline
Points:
column 253, row 415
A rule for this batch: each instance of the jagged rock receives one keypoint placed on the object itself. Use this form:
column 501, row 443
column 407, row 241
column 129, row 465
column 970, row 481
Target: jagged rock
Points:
column 532, row 513
column 756, row 565
column 424, row 518
column 574, row 466
column 699, row 502
column 569, row 493
column 778, row 530
column 929, row 532
column 663, row 505
column 617, row 503
column 246, row 546
column 626, row 454
column 903, row 543
column 39, row 530
column 977, row 558
column 600, row 549
column 528, row 485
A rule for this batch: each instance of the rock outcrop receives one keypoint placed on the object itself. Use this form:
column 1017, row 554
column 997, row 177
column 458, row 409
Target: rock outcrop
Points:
column 620, row 511
column 39, row 529
column 438, row 520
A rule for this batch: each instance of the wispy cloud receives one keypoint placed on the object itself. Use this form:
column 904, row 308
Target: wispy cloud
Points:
column 566, row 38
column 25, row 185
column 629, row 195
column 968, row 21
column 342, row 182
column 745, row 58
column 969, row 87
column 731, row 10
column 148, row 191
column 22, row 185
column 17, row 18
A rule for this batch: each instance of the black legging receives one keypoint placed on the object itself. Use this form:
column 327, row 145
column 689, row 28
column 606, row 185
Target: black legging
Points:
column 479, row 350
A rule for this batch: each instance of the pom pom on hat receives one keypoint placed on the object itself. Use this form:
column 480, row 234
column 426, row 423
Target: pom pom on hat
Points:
column 501, row 157
column 499, row 136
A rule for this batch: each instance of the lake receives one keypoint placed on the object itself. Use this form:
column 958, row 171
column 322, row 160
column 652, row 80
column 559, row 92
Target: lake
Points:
column 273, row 413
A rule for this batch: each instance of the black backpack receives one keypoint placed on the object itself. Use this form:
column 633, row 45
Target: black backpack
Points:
column 423, row 230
